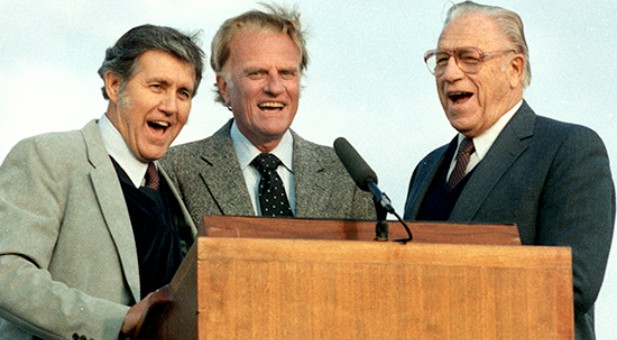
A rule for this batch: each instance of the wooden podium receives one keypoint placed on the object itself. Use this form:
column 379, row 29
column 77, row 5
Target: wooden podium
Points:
column 265, row 278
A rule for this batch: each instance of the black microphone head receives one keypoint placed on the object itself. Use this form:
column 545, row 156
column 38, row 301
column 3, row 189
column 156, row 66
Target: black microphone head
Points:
column 354, row 163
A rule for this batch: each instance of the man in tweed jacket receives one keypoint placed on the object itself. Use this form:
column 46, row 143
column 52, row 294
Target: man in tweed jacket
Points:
column 259, row 58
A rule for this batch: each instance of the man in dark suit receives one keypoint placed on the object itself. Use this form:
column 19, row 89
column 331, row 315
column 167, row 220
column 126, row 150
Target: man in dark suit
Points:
column 89, row 230
column 259, row 58
column 508, row 165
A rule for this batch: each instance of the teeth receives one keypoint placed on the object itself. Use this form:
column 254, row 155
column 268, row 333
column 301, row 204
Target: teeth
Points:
column 458, row 95
column 163, row 124
column 271, row 105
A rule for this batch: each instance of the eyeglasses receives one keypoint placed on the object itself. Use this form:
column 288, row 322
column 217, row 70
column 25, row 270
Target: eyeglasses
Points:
column 468, row 59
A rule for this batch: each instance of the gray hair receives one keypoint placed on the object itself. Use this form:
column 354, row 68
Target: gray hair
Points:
column 507, row 21
column 121, row 58
column 275, row 18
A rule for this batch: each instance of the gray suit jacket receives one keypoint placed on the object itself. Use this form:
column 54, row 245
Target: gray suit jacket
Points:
column 68, row 261
column 210, row 181
column 553, row 181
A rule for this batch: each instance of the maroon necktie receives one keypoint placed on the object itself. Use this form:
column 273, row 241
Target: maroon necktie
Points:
column 462, row 160
column 152, row 177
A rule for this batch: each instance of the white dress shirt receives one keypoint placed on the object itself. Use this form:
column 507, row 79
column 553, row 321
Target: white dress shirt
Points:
column 246, row 152
column 483, row 142
column 118, row 149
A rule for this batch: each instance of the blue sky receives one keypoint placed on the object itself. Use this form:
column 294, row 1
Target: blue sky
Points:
column 366, row 80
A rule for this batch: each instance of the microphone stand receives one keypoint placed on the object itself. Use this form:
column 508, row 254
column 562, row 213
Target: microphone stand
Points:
column 383, row 206
column 381, row 227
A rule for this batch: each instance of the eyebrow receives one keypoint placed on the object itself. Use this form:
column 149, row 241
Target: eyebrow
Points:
column 166, row 83
column 163, row 81
column 250, row 68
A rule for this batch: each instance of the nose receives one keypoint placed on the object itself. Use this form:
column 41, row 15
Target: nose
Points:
column 169, row 103
column 274, row 85
column 452, row 71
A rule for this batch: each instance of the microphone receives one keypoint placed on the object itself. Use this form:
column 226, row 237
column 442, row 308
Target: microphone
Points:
column 361, row 172
column 366, row 179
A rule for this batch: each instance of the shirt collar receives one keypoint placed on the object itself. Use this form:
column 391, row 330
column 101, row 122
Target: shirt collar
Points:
column 118, row 149
column 484, row 141
column 246, row 151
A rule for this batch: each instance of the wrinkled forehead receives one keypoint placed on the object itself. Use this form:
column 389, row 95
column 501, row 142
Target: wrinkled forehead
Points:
column 472, row 30
column 263, row 32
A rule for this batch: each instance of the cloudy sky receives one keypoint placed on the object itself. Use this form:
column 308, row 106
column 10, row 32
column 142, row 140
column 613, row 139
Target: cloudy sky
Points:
column 366, row 81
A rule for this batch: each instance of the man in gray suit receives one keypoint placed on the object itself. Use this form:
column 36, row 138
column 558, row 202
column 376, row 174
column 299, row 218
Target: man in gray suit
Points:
column 551, row 179
column 89, row 226
column 259, row 58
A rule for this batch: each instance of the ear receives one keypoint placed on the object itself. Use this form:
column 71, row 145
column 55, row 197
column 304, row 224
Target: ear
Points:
column 112, row 86
column 516, row 69
column 223, row 86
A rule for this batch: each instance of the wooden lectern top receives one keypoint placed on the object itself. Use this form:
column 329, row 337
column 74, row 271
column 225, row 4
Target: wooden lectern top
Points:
column 358, row 230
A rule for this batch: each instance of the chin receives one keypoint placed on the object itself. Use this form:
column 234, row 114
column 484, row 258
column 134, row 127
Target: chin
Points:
column 277, row 128
column 460, row 126
column 155, row 154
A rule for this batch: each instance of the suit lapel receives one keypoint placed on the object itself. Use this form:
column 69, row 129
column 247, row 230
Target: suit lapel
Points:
column 511, row 143
column 113, row 207
column 311, row 193
column 422, row 180
column 187, row 220
column 222, row 174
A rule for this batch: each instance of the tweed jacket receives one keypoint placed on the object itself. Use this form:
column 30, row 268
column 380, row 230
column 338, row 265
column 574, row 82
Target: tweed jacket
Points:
column 208, row 175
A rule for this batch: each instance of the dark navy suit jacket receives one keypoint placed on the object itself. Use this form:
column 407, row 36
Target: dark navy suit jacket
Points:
column 553, row 181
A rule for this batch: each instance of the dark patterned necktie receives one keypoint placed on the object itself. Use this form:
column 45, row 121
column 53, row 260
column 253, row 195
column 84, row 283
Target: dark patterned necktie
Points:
column 272, row 198
column 462, row 160
column 152, row 177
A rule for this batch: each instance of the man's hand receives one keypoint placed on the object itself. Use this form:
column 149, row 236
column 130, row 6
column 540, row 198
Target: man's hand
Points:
column 135, row 317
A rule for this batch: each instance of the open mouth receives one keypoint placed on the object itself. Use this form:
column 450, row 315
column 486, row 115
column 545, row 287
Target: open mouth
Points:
column 159, row 125
column 459, row 97
column 271, row 106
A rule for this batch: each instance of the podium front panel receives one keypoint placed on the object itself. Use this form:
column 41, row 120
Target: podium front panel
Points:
column 313, row 289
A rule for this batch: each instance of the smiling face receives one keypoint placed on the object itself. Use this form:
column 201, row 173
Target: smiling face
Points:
column 261, row 83
column 151, row 107
column 474, row 102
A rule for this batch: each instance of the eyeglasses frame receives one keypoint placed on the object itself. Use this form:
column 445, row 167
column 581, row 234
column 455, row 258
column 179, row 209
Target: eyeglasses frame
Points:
column 483, row 56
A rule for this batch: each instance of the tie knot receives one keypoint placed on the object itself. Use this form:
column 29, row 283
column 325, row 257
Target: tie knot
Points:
column 152, row 177
column 266, row 162
column 466, row 147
